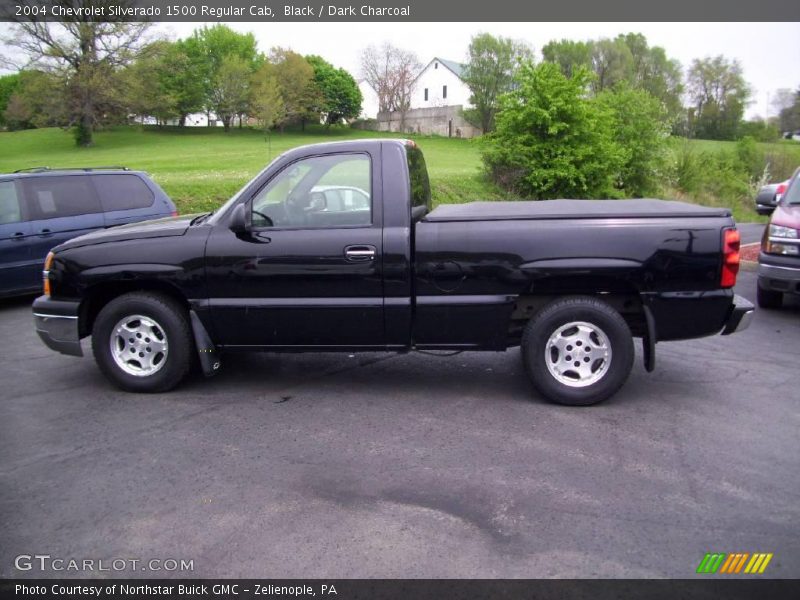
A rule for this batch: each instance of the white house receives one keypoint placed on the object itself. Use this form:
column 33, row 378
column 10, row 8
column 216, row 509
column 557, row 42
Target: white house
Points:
column 369, row 103
column 440, row 83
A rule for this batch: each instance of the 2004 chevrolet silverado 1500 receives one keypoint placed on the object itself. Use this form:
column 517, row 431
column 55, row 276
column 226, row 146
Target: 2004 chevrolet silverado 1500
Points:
column 335, row 247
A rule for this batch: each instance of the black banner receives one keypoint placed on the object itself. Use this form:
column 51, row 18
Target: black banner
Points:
column 396, row 10
column 450, row 589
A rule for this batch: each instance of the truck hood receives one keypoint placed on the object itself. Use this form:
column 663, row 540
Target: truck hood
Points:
column 787, row 215
column 167, row 227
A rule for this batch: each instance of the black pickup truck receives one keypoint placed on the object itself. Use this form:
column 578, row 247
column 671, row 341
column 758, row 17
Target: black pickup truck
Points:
column 334, row 247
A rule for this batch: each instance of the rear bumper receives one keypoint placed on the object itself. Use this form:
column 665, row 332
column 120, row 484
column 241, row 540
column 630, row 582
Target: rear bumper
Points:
column 740, row 317
column 57, row 325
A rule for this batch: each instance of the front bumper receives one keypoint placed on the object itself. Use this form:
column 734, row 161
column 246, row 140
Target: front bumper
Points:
column 740, row 317
column 57, row 324
column 780, row 274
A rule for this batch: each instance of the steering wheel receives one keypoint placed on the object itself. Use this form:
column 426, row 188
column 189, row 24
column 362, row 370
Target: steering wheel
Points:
column 269, row 222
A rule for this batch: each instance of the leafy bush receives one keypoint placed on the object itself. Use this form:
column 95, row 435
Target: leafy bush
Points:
column 554, row 140
column 551, row 140
column 689, row 167
column 641, row 129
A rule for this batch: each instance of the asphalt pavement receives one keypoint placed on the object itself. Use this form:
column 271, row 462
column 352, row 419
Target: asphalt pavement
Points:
column 382, row 465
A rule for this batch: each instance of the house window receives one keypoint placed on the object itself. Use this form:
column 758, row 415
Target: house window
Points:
column 435, row 65
column 426, row 94
column 444, row 91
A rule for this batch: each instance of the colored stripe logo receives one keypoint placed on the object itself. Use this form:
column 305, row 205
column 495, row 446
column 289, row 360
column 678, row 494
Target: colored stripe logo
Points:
column 733, row 564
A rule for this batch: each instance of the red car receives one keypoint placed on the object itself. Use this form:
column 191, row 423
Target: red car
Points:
column 779, row 259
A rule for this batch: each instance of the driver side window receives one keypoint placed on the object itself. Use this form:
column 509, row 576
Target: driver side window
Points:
column 318, row 192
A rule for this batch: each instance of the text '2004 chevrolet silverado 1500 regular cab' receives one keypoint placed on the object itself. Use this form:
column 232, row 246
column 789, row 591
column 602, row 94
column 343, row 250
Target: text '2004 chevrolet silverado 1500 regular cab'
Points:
column 334, row 247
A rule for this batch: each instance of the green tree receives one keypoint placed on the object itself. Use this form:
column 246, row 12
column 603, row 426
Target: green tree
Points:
column 230, row 89
column 612, row 63
column 719, row 96
column 490, row 73
column 655, row 73
column 627, row 58
column 302, row 99
column 551, row 140
column 215, row 50
column 761, row 130
column 568, row 55
column 146, row 83
column 641, row 130
column 38, row 101
column 85, row 55
column 266, row 97
column 9, row 84
column 341, row 98
column 789, row 115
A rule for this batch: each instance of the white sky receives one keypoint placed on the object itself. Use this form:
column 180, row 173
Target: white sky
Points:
column 769, row 52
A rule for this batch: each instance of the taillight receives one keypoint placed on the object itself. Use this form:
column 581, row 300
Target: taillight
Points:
column 174, row 213
column 779, row 191
column 48, row 262
column 730, row 257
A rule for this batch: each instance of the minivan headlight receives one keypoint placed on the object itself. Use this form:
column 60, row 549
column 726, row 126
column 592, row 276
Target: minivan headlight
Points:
column 781, row 231
column 781, row 240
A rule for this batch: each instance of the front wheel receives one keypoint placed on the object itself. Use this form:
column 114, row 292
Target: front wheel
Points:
column 142, row 342
column 577, row 351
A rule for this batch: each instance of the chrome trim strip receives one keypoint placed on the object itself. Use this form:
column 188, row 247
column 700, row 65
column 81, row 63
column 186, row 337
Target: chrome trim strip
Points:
column 44, row 316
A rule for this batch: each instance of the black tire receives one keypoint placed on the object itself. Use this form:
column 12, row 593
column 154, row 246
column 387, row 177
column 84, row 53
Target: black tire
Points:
column 168, row 319
column 604, row 376
column 768, row 298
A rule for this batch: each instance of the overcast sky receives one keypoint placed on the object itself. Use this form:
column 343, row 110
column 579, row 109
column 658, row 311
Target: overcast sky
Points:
column 769, row 52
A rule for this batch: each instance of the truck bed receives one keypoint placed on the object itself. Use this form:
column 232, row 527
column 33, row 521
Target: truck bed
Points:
column 571, row 209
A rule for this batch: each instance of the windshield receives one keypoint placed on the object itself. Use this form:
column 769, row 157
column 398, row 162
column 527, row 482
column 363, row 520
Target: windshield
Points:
column 224, row 208
column 793, row 193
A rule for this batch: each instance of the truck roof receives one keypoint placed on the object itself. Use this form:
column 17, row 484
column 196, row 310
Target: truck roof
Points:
column 571, row 209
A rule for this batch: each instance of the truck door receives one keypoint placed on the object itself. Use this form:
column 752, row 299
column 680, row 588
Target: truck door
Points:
column 308, row 271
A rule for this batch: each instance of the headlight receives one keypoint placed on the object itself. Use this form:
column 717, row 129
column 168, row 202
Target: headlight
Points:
column 782, row 232
column 782, row 240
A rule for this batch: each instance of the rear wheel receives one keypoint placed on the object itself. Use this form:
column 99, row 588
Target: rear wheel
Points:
column 768, row 298
column 142, row 342
column 577, row 351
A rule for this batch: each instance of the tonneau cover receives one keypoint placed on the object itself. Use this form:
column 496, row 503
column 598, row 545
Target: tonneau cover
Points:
column 571, row 209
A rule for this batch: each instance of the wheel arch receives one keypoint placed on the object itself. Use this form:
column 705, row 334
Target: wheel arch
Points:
column 618, row 291
column 99, row 295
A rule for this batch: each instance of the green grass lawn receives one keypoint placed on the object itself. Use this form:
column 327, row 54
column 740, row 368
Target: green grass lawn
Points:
column 200, row 168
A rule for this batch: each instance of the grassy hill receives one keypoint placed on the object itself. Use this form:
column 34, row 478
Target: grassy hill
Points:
column 200, row 168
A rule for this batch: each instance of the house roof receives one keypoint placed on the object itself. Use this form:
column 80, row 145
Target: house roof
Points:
column 455, row 67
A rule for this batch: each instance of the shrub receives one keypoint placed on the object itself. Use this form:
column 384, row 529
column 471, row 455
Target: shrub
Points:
column 551, row 140
column 641, row 129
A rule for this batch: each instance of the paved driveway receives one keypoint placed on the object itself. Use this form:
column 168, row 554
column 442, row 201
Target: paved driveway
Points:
column 379, row 465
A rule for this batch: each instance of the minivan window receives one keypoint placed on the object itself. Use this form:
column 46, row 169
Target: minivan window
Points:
column 122, row 192
column 60, row 196
column 10, row 209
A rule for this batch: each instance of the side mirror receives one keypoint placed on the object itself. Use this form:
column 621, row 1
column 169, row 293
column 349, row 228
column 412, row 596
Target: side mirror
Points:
column 238, row 222
column 764, row 209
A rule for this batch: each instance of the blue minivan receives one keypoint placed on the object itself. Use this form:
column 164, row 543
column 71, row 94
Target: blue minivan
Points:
column 41, row 208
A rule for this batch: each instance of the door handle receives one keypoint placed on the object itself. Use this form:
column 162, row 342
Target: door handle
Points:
column 359, row 253
column 18, row 236
column 45, row 233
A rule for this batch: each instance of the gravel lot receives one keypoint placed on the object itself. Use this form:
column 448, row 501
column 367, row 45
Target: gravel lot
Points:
column 380, row 465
